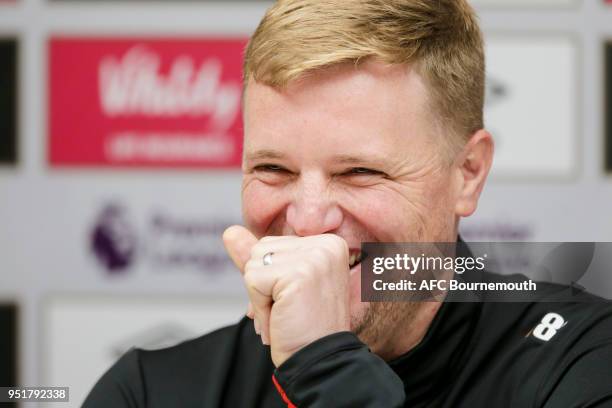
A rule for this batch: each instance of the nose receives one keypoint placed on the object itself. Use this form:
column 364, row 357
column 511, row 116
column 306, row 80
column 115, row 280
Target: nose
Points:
column 313, row 209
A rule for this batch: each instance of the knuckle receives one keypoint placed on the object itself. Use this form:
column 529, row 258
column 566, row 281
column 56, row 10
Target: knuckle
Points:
column 254, row 251
column 250, row 279
column 326, row 256
column 304, row 270
column 320, row 252
column 258, row 250
column 336, row 242
column 250, row 266
column 341, row 244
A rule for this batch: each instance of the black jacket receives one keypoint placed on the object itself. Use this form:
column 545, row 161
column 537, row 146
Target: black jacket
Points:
column 473, row 355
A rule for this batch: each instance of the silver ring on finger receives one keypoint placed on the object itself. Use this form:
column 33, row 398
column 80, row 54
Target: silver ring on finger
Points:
column 267, row 258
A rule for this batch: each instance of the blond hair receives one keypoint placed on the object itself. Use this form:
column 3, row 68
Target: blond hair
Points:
column 440, row 37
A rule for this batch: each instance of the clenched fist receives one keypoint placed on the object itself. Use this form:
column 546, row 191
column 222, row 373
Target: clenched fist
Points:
column 302, row 295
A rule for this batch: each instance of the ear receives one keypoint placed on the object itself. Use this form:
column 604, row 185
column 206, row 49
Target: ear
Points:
column 473, row 166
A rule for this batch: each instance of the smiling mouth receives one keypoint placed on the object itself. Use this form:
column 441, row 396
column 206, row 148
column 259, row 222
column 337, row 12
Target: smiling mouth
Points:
column 355, row 257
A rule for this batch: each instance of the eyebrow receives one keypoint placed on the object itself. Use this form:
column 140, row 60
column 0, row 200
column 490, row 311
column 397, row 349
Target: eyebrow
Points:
column 270, row 154
column 265, row 154
column 348, row 159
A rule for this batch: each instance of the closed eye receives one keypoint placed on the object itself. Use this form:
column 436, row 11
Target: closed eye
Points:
column 273, row 168
column 363, row 171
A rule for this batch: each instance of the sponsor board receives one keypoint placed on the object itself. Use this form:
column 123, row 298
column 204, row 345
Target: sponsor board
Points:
column 105, row 327
column 8, row 101
column 531, row 106
column 134, row 102
column 135, row 233
column 163, row 242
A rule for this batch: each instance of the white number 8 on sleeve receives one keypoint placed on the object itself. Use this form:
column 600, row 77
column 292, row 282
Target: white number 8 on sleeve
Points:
column 548, row 327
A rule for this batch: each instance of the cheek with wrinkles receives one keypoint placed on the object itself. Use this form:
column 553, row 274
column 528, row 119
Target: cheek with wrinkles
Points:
column 262, row 205
column 380, row 214
column 395, row 212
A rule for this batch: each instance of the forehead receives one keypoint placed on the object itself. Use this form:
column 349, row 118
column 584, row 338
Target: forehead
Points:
column 372, row 103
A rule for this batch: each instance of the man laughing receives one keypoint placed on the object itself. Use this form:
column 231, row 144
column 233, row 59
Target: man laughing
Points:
column 363, row 123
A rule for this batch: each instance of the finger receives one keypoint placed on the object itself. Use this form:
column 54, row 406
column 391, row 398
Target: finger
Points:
column 262, row 308
column 262, row 322
column 263, row 247
column 260, row 279
column 265, row 329
column 272, row 238
column 260, row 282
column 238, row 242
column 263, row 284
column 287, row 243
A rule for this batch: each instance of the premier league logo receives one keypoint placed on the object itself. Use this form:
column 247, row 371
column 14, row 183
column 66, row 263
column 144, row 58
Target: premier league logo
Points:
column 113, row 240
column 161, row 242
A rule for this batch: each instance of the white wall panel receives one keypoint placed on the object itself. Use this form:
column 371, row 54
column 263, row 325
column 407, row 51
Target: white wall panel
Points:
column 84, row 335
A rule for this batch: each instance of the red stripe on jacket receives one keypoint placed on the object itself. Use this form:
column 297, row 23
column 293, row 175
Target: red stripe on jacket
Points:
column 282, row 393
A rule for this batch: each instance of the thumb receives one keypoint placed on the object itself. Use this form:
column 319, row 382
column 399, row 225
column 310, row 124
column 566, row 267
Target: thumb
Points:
column 238, row 242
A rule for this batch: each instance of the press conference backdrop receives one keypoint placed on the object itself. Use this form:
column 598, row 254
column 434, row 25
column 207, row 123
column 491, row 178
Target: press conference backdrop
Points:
column 120, row 136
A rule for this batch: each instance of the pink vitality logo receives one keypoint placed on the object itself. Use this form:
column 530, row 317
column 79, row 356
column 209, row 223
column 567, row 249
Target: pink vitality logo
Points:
column 145, row 102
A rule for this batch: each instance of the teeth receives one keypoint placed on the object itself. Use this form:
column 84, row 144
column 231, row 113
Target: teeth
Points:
column 354, row 258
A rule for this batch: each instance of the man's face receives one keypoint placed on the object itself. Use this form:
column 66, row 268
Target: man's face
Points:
column 353, row 152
